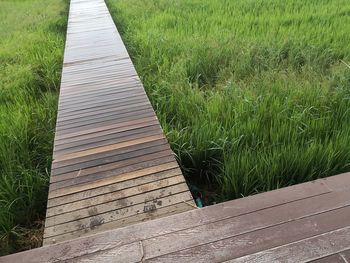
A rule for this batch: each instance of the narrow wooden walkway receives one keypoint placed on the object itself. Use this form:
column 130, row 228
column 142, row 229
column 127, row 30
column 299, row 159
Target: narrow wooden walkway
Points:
column 309, row 222
column 112, row 165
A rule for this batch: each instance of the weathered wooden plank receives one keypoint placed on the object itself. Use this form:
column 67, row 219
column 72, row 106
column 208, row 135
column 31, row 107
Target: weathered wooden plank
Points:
column 121, row 114
column 119, row 139
column 181, row 207
column 104, row 128
column 341, row 181
column 335, row 258
column 262, row 239
column 130, row 253
column 144, row 204
column 187, row 220
column 111, row 180
column 105, row 120
column 103, row 164
column 106, row 132
column 108, row 157
column 138, row 157
column 305, row 250
column 113, row 187
column 111, row 196
column 79, row 180
column 127, row 121
column 240, row 225
column 107, row 148
column 113, row 136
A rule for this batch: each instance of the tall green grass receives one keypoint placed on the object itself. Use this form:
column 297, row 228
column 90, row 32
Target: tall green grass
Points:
column 31, row 48
column 253, row 94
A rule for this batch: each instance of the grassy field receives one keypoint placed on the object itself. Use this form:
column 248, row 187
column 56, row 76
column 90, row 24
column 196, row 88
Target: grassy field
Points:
column 253, row 94
column 31, row 48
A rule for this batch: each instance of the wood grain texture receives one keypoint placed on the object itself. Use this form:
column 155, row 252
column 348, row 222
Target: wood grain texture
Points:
column 112, row 165
column 309, row 222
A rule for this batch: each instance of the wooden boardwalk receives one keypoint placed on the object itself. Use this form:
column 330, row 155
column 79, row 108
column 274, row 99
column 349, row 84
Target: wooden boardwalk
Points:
column 309, row 222
column 113, row 170
column 112, row 165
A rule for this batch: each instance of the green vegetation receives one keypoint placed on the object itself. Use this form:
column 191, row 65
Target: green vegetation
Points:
column 31, row 47
column 253, row 94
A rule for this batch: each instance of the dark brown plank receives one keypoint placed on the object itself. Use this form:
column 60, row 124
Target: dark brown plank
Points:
column 123, row 169
column 86, row 167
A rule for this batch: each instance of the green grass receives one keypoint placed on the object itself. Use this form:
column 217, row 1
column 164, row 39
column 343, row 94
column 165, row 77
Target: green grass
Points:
column 254, row 95
column 31, row 48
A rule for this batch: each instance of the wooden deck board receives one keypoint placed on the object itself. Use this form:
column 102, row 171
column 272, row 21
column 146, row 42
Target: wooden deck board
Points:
column 309, row 222
column 112, row 165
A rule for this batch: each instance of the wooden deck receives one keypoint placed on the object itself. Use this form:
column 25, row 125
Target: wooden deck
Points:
column 309, row 222
column 112, row 165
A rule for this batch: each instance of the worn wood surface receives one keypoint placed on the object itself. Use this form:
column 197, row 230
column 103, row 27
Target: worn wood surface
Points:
column 112, row 165
column 309, row 222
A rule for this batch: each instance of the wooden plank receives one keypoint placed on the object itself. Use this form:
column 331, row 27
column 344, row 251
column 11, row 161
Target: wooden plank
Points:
column 259, row 240
column 107, row 137
column 127, row 112
column 130, row 253
column 86, row 167
column 82, row 138
column 105, row 120
column 107, row 148
column 113, row 187
column 158, row 227
column 138, row 157
column 305, row 250
column 341, row 181
column 87, row 108
column 240, row 225
column 119, row 139
column 103, row 123
column 111, row 180
column 104, row 109
column 104, row 128
column 98, row 103
column 221, row 211
column 108, row 157
column 335, row 258
column 152, row 200
column 111, row 196
column 182, row 207
column 79, row 180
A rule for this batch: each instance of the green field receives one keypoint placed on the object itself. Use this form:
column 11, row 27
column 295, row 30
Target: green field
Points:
column 31, row 47
column 253, row 94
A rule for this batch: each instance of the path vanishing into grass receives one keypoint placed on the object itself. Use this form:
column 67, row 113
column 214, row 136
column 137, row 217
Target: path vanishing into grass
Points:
column 31, row 50
column 253, row 95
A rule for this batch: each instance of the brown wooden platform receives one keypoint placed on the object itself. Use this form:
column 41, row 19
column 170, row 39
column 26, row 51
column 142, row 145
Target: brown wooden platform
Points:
column 309, row 222
column 112, row 165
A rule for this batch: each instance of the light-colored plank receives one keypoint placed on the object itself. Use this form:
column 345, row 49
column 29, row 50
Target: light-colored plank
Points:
column 305, row 250
column 89, row 219
column 111, row 196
